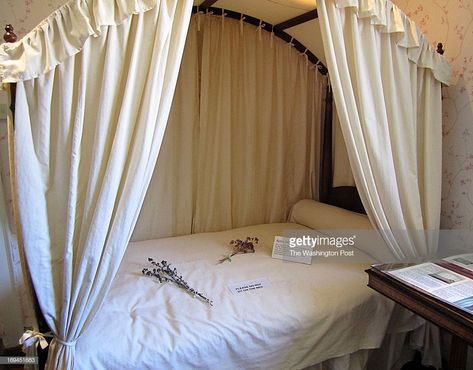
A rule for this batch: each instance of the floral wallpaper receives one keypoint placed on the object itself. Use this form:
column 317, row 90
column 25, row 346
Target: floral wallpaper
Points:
column 25, row 15
column 451, row 22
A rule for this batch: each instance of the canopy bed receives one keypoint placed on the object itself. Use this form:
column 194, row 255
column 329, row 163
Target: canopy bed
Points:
column 94, row 85
column 331, row 318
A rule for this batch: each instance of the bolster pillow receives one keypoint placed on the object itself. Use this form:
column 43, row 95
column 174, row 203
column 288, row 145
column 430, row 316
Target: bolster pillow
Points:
column 321, row 216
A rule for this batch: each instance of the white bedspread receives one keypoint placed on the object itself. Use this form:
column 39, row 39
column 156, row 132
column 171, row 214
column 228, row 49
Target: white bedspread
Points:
column 307, row 314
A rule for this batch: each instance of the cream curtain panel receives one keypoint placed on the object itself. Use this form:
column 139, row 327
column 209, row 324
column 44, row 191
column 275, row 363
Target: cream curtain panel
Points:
column 90, row 118
column 386, row 80
column 342, row 173
column 242, row 143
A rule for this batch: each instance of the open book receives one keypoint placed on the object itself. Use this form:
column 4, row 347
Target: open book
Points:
column 450, row 279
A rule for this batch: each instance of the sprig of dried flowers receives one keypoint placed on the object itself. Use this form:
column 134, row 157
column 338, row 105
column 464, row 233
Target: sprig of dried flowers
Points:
column 241, row 246
column 164, row 273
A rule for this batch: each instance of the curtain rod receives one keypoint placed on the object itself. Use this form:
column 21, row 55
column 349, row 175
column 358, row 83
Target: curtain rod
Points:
column 269, row 28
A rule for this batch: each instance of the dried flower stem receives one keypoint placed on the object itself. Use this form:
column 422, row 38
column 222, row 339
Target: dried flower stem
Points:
column 164, row 273
column 241, row 246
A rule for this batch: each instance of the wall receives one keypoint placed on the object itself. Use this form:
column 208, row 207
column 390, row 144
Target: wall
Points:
column 451, row 22
column 11, row 326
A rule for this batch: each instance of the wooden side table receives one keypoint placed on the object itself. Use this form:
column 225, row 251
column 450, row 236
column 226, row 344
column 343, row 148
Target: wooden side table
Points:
column 447, row 316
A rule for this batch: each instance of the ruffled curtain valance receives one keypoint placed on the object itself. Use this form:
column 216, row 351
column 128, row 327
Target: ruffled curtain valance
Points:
column 390, row 19
column 63, row 35
column 65, row 31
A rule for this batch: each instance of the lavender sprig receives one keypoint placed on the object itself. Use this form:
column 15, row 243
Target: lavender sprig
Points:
column 164, row 273
column 241, row 246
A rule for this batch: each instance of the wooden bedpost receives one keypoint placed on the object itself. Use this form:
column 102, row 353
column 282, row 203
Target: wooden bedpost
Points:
column 10, row 37
column 346, row 197
column 326, row 175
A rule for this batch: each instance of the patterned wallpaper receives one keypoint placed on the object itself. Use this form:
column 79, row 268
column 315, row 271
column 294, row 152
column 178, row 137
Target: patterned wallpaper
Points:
column 24, row 15
column 446, row 21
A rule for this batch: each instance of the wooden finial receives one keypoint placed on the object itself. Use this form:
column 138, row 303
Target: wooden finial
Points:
column 440, row 49
column 9, row 35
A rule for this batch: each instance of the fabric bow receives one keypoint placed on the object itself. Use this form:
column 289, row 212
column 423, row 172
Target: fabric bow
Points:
column 33, row 338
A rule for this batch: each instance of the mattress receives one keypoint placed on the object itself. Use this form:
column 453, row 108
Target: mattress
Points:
column 304, row 314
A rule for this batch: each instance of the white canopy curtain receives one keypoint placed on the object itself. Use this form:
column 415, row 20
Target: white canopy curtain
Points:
column 90, row 118
column 342, row 172
column 386, row 81
column 242, row 142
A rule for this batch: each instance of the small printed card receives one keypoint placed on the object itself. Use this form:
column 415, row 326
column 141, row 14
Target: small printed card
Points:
column 248, row 285
column 283, row 250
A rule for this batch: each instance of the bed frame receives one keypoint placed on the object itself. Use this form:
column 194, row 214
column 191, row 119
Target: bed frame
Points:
column 346, row 197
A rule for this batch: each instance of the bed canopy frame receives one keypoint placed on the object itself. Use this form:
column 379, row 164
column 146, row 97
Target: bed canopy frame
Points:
column 342, row 196
column 346, row 197
column 277, row 30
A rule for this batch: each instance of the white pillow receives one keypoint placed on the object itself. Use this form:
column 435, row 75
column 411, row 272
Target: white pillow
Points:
column 321, row 216
column 324, row 218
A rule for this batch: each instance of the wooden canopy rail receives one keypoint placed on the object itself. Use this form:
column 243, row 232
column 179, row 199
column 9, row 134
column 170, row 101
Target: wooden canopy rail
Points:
column 207, row 4
column 269, row 28
column 306, row 17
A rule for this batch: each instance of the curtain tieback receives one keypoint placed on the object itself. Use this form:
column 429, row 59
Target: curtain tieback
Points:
column 33, row 338
column 65, row 343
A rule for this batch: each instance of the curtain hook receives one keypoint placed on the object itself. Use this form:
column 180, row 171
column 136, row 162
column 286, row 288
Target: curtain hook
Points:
column 260, row 26
column 223, row 18
column 199, row 18
column 242, row 18
column 306, row 57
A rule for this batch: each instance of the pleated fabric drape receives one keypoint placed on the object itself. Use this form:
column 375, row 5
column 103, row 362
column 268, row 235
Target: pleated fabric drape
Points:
column 90, row 118
column 386, row 80
column 242, row 144
column 342, row 173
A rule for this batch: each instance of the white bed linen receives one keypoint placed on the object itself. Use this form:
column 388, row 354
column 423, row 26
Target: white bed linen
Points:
column 308, row 313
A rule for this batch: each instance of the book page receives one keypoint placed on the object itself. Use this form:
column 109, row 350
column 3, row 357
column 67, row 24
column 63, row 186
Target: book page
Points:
column 440, row 282
column 462, row 260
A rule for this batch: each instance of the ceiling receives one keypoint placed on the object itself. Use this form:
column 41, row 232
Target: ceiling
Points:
column 277, row 11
